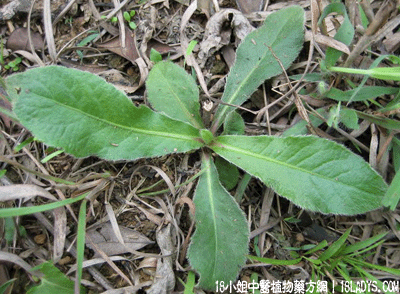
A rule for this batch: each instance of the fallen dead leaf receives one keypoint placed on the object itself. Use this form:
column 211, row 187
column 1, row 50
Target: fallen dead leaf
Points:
column 106, row 240
column 19, row 40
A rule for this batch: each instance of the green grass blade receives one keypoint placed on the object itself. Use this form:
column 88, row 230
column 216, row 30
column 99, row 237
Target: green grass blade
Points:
column 362, row 245
column 275, row 261
column 334, row 249
column 80, row 243
column 9, row 212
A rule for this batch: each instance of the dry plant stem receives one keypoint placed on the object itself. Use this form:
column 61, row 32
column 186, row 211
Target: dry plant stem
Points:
column 297, row 101
column 378, row 23
column 184, row 44
column 121, row 24
column 266, row 112
column 366, row 6
column 373, row 146
column 37, row 58
column 384, row 147
column 63, row 12
column 48, row 29
column 265, row 213
column 109, row 261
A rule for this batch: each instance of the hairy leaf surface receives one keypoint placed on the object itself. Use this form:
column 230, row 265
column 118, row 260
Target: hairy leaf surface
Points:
column 220, row 243
column 314, row 173
column 282, row 34
column 172, row 91
column 84, row 115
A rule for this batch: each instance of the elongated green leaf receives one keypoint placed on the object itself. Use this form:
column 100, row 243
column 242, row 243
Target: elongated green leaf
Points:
column 18, row 211
column 365, row 93
column 275, row 261
column 220, row 243
column 335, row 247
column 392, row 196
column 172, row 91
column 84, row 115
column 362, row 245
column 282, row 34
column 390, row 124
column 314, row 173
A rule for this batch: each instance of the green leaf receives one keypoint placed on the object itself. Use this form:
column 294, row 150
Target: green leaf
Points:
column 335, row 247
column 275, row 261
column 300, row 128
column 127, row 16
column 396, row 153
column 190, row 47
column 207, row 136
column 155, row 56
column 220, row 243
column 228, row 173
column 349, row 118
column 9, row 212
column 314, row 173
column 234, row 124
column 351, row 249
column 344, row 34
column 54, row 281
column 80, row 242
column 84, row 115
column 392, row 196
column 172, row 91
column 7, row 284
column 385, row 122
column 281, row 34
column 363, row 94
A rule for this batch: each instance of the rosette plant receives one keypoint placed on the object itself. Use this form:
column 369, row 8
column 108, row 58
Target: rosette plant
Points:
column 84, row 115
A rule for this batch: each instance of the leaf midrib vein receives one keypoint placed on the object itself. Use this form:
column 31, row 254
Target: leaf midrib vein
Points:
column 236, row 93
column 132, row 129
column 270, row 159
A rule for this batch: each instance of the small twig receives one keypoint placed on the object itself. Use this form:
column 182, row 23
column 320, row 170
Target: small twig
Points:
column 48, row 28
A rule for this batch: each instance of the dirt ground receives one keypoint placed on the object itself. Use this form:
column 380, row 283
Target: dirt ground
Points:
column 92, row 35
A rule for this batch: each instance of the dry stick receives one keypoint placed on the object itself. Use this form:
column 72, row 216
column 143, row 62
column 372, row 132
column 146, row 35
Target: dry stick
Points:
column 369, row 37
column 48, row 29
column 121, row 25
column 63, row 12
column 37, row 58
column 184, row 44
column 295, row 87
column 300, row 107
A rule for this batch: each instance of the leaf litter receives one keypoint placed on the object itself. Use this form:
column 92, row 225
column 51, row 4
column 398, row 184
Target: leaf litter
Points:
column 143, row 223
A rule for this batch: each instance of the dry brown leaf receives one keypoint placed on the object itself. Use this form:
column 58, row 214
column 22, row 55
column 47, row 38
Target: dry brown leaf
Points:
column 328, row 41
column 27, row 192
column 107, row 241
column 129, row 51
column 249, row 6
column 19, row 40
column 164, row 281
column 219, row 30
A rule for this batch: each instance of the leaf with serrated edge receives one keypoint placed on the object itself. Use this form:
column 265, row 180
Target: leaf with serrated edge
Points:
column 283, row 34
column 220, row 243
column 84, row 115
column 314, row 173
column 172, row 91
